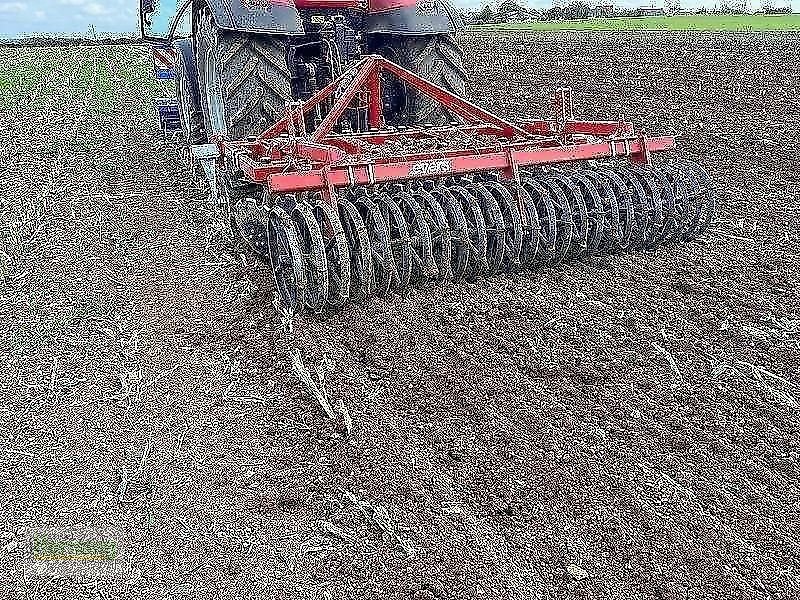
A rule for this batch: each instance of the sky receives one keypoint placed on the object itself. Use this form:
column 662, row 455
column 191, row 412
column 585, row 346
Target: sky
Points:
column 21, row 17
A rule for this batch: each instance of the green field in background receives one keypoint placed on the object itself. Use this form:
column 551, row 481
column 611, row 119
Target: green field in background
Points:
column 676, row 23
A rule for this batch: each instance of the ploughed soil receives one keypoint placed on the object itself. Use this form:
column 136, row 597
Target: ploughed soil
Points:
column 620, row 427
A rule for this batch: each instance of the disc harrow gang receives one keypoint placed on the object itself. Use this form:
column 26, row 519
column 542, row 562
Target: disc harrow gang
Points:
column 371, row 240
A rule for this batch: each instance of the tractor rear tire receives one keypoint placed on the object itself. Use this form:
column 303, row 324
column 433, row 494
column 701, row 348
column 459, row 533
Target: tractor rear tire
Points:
column 437, row 58
column 244, row 79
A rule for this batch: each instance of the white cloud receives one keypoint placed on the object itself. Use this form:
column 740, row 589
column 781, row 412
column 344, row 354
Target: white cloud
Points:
column 24, row 17
column 95, row 9
column 13, row 7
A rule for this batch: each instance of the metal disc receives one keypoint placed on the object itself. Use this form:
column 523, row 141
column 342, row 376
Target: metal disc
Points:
column 627, row 213
column 531, row 238
column 683, row 203
column 382, row 259
column 459, row 234
column 250, row 222
column 655, row 211
column 580, row 216
column 315, row 262
column 441, row 242
column 670, row 225
column 286, row 260
column 613, row 232
column 563, row 222
column 640, row 231
column 422, row 262
column 476, row 228
column 687, row 198
column 362, row 277
column 399, row 239
column 706, row 196
column 337, row 252
column 594, row 211
column 546, row 213
column 495, row 226
column 509, row 202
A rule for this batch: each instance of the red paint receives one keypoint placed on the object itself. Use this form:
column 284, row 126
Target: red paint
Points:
column 384, row 5
column 375, row 102
column 164, row 58
column 332, row 4
column 371, row 6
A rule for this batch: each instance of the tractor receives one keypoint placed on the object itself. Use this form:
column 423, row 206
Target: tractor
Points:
column 241, row 61
column 337, row 140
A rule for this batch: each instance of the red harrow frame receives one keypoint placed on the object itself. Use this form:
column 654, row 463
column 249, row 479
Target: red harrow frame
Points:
column 353, row 208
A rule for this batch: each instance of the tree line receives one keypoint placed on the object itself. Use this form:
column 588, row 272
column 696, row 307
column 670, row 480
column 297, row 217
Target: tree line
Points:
column 511, row 10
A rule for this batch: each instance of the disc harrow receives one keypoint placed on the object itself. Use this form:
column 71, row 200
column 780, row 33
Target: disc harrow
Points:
column 346, row 206
column 389, row 238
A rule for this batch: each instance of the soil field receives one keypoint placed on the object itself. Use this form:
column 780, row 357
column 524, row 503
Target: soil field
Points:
column 621, row 427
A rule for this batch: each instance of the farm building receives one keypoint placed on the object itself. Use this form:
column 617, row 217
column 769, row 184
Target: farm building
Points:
column 650, row 11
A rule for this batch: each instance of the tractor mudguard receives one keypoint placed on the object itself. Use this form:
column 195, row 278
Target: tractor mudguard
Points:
column 184, row 47
column 257, row 16
column 412, row 17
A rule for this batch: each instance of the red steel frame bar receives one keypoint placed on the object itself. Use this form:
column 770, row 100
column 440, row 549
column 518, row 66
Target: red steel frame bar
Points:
column 424, row 166
column 375, row 102
column 337, row 159
column 453, row 103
